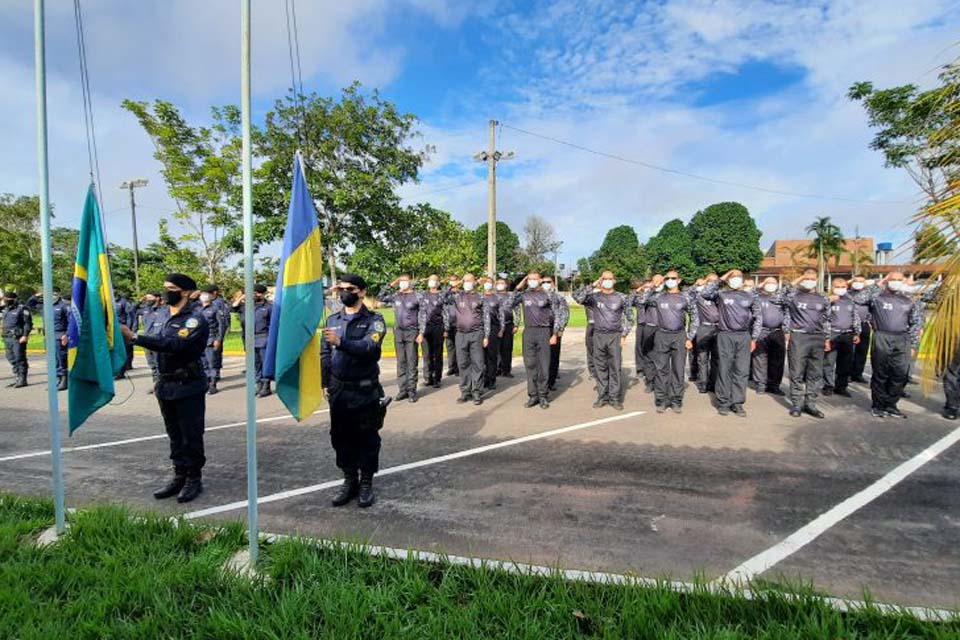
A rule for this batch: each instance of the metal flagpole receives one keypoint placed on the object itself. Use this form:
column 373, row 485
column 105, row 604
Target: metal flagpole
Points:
column 252, row 514
column 49, row 336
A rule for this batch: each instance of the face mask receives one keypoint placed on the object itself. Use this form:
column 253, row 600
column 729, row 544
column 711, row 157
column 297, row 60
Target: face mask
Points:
column 607, row 283
column 770, row 287
column 735, row 282
column 840, row 291
column 432, row 284
column 349, row 298
column 870, row 283
column 404, row 285
column 857, row 286
column 659, row 287
column 671, row 283
column 809, row 285
column 488, row 286
column 56, row 298
column 452, row 282
column 501, row 287
column 533, row 284
column 173, row 297
column 468, row 285
column 547, row 286
column 699, row 287
column 895, row 285
column 204, row 297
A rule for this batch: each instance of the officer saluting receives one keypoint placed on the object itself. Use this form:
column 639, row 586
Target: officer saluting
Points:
column 182, row 386
column 17, row 324
column 61, row 320
column 349, row 357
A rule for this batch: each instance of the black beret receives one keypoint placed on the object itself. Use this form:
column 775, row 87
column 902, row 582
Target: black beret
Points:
column 185, row 282
column 57, row 290
column 260, row 288
column 210, row 288
column 354, row 279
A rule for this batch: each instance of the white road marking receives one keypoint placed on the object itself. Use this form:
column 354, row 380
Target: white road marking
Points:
column 292, row 493
column 117, row 443
column 811, row 531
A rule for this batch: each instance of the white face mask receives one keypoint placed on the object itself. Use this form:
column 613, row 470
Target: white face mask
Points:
column 770, row 287
column 840, row 291
column 468, row 285
column 659, row 287
column 857, row 286
column 699, row 287
column 204, row 297
column 870, row 283
column 488, row 286
column 501, row 286
column 607, row 283
column 809, row 285
column 404, row 285
column 895, row 285
column 547, row 286
column 735, row 282
column 533, row 283
column 432, row 284
column 452, row 283
column 671, row 283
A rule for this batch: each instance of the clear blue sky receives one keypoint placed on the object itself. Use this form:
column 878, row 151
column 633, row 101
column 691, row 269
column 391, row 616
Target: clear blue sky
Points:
column 742, row 91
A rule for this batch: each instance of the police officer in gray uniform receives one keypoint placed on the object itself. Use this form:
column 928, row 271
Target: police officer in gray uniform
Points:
column 61, row 321
column 542, row 319
column 766, row 362
column 588, row 338
column 844, row 337
column 17, row 324
column 217, row 321
column 450, row 334
column 858, row 284
column 646, row 332
column 563, row 309
column 611, row 326
column 473, row 325
column 740, row 325
column 677, row 319
column 262, row 310
column 410, row 319
column 807, row 325
column 705, row 342
column 897, row 322
column 512, row 317
column 491, row 352
column 432, row 343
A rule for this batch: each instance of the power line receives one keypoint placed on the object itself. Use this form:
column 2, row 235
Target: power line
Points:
column 460, row 185
column 296, row 75
column 695, row 176
column 93, row 156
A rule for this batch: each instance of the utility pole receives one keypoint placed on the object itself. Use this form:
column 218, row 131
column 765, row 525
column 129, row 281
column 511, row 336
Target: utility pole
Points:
column 131, row 185
column 492, row 157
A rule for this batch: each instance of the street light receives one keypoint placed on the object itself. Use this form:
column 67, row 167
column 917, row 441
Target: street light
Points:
column 131, row 185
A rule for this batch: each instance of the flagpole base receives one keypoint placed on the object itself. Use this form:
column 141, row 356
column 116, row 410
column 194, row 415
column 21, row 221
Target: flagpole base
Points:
column 50, row 537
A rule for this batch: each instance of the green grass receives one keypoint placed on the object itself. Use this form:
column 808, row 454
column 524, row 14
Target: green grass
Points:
column 113, row 577
column 233, row 343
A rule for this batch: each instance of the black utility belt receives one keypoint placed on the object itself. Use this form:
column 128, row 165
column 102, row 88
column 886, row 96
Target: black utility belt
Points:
column 181, row 375
column 708, row 324
column 808, row 333
column 844, row 332
column 355, row 384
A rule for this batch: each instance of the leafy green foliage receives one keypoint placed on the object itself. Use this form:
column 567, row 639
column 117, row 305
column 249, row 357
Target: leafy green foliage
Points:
column 828, row 241
column 930, row 243
column 508, row 248
column 20, row 266
column 725, row 237
column 621, row 253
column 672, row 248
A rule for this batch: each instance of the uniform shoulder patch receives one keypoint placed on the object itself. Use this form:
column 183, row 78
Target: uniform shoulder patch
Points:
column 192, row 323
column 183, row 333
column 379, row 326
column 375, row 336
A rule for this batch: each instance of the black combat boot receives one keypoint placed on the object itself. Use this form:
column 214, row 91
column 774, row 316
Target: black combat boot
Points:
column 266, row 389
column 21, row 381
column 212, row 387
column 348, row 490
column 192, row 489
column 366, row 497
column 174, row 486
column 61, row 383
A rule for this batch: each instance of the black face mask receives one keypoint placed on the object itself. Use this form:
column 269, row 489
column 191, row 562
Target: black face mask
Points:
column 173, row 297
column 349, row 298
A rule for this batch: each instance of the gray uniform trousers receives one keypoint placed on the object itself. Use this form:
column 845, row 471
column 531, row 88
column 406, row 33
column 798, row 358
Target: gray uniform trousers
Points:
column 838, row 362
column 733, row 367
column 470, row 361
column 890, row 358
column 432, row 354
column 766, row 363
column 951, row 384
column 643, row 352
column 806, row 368
column 408, row 359
column 705, row 350
column 669, row 357
column 451, row 341
column 536, row 360
column 861, row 350
column 607, row 361
column 591, row 365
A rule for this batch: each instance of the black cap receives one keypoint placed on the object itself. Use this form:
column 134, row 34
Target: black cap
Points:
column 210, row 288
column 354, row 279
column 57, row 290
column 183, row 281
column 259, row 288
column 10, row 295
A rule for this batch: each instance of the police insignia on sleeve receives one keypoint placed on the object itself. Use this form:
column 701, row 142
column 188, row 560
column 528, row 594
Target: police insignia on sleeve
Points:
column 183, row 333
column 379, row 327
column 192, row 323
column 375, row 336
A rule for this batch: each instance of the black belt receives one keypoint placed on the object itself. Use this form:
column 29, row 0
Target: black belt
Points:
column 808, row 333
column 355, row 384
column 841, row 332
column 185, row 374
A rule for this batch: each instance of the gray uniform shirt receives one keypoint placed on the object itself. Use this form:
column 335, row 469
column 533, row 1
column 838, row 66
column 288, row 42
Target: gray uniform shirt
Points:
column 609, row 311
column 806, row 311
column 432, row 305
column 844, row 316
column 893, row 312
column 540, row 309
column 671, row 311
column 469, row 312
column 707, row 310
column 771, row 314
column 408, row 308
column 739, row 310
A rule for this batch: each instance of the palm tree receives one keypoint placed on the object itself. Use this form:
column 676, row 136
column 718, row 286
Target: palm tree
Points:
column 827, row 241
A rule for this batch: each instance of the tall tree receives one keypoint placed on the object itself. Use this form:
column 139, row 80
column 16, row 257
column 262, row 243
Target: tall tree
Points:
column 19, row 241
column 541, row 240
column 621, row 253
column 906, row 121
column 356, row 152
column 930, row 243
column 672, row 248
column 827, row 241
column 725, row 237
column 201, row 166
column 508, row 247
column 63, row 246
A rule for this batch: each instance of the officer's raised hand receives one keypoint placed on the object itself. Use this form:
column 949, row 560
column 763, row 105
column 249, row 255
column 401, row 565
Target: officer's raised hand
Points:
column 331, row 336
